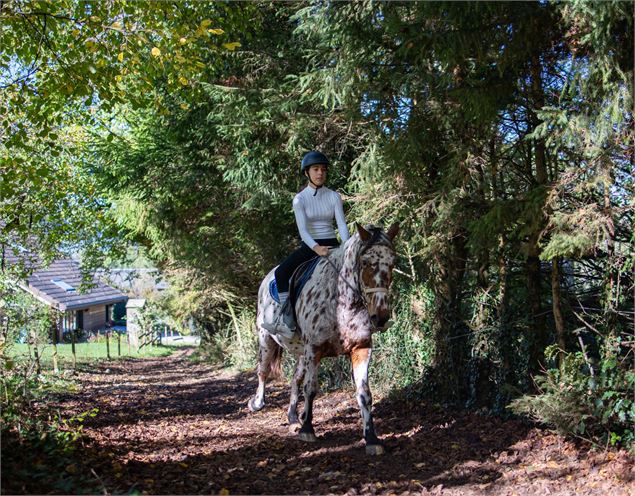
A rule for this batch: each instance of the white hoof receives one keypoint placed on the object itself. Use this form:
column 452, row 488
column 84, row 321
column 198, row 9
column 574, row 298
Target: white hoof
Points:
column 307, row 437
column 375, row 449
column 251, row 404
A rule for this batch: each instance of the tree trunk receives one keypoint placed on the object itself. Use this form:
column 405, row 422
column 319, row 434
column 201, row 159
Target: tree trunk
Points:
column 450, row 355
column 557, row 308
column 534, row 281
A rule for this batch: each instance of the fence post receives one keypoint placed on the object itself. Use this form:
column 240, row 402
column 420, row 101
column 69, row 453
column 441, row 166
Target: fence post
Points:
column 108, row 344
column 73, row 349
column 57, row 317
column 118, row 344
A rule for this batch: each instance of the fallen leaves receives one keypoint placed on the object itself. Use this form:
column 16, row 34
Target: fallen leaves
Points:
column 190, row 434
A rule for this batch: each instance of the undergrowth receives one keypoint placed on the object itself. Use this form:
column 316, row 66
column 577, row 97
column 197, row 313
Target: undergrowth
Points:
column 594, row 403
column 40, row 441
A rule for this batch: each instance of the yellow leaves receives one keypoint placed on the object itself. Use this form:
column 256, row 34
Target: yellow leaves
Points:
column 217, row 31
column 116, row 25
column 184, row 106
column 231, row 46
column 183, row 80
column 206, row 23
column 155, row 52
column 75, row 33
column 223, row 492
column 120, row 57
column 182, row 40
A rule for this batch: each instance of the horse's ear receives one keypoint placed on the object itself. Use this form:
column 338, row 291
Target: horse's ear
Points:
column 393, row 230
column 363, row 233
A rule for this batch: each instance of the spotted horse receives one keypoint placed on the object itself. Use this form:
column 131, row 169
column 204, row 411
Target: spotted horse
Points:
column 340, row 307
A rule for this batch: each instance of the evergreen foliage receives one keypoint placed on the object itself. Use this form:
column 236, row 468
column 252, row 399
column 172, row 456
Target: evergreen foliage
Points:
column 499, row 135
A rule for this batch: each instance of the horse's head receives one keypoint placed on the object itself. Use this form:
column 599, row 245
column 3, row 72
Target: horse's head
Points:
column 376, row 260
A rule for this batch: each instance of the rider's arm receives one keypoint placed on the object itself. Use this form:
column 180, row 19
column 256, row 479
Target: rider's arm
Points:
column 300, row 220
column 341, row 221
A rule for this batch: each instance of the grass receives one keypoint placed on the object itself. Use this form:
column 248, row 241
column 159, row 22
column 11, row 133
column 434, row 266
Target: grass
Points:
column 86, row 352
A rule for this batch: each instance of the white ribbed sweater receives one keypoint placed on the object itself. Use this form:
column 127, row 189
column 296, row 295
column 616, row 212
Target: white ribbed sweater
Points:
column 314, row 215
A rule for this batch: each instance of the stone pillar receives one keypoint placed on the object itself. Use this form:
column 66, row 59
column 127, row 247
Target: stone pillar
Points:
column 133, row 308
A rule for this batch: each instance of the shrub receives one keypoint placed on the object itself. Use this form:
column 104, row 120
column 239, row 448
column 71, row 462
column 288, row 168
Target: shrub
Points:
column 594, row 403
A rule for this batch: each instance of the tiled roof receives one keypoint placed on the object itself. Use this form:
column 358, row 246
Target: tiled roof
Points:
column 66, row 273
column 42, row 283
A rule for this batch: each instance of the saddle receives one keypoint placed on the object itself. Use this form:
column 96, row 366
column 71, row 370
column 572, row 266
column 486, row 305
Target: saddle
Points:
column 298, row 280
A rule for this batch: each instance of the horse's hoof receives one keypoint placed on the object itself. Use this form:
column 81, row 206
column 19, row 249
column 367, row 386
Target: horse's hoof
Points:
column 294, row 428
column 252, row 406
column 307, row 437
column 375, row 449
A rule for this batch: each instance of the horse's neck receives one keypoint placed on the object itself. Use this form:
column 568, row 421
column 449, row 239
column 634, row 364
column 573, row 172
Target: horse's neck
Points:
column 348, row 282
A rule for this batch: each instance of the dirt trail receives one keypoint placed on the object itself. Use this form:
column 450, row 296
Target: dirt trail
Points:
column 168, row 426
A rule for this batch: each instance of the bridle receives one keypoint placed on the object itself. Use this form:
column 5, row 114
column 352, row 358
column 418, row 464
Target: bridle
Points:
column 363, row 294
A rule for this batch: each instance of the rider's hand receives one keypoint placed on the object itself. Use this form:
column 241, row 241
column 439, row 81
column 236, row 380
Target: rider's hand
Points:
column 321, row 250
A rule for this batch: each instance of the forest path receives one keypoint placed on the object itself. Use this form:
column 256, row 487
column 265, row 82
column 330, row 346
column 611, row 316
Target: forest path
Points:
column 171, row 426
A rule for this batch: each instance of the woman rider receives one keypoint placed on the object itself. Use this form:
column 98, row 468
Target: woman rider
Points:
column 314, row 207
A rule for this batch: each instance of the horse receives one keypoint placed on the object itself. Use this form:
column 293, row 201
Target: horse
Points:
column 342, row 304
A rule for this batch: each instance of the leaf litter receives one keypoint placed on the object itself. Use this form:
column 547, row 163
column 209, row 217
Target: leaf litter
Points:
column 168, row 425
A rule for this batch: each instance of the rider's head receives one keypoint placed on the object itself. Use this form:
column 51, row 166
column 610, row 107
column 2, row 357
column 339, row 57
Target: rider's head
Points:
column 314, row 166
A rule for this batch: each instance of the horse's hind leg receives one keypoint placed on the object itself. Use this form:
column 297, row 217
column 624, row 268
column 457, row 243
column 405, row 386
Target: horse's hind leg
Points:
column 298, row 376
column 269, row 356
column 311, row 363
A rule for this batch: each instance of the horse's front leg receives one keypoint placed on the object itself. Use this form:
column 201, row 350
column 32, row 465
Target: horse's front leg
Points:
column 292, row 413
column 360, row 359
column 311, row 362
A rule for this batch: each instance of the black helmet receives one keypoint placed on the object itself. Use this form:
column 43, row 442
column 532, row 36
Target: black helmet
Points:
column 313, row 158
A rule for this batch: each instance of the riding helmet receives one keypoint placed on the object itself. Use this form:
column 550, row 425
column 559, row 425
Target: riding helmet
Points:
column 313, row 158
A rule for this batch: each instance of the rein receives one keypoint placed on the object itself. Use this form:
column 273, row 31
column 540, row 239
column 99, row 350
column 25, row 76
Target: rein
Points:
column 358, row 294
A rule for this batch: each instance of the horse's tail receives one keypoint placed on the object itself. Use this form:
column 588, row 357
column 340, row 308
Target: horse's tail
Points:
column 276, row 360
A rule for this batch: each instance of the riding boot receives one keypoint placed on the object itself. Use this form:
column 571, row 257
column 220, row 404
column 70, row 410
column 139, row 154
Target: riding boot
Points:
column 283, row 322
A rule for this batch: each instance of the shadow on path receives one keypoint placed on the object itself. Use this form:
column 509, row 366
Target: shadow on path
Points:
column 169, row 426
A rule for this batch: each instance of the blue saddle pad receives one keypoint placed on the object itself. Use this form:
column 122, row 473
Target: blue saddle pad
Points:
column 273, row 290
column 301, row 278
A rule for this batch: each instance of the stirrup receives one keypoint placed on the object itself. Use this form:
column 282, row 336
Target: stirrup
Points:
column 280, row 329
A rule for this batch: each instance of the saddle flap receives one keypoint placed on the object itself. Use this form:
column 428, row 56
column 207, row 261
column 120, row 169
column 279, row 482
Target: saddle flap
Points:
column 300, row 277
column 298, row 280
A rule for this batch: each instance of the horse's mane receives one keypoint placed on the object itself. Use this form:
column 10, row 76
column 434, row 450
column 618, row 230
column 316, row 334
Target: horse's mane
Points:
column 354, row 244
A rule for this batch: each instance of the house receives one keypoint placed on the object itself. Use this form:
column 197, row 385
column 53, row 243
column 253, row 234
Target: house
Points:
column 142, row 283
column 59, row 286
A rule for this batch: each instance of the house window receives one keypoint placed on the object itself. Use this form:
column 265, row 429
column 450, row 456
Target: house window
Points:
column 70, row 321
